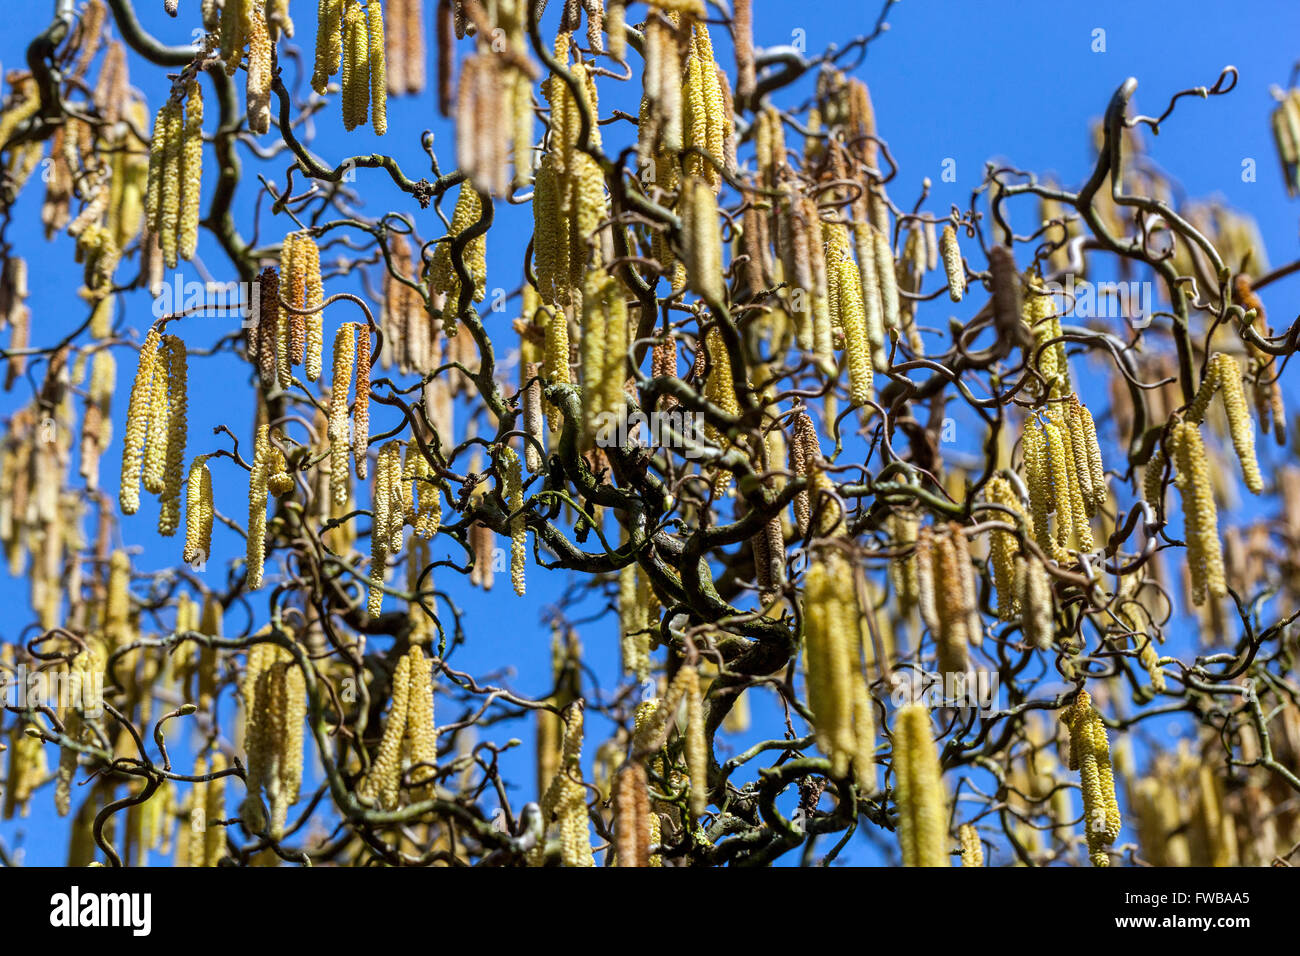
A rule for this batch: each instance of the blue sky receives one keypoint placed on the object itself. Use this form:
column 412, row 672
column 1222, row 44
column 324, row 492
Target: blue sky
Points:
column 955, row 81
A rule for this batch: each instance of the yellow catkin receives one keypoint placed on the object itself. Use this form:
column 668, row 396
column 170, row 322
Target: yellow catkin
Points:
column 952, row 265
column 214, row 802
column 1090, row 755
column 1062, row 503
column 421, row 732
column 513, row 493
column 381, row 523
column 258, row 88
column 564, row 802
column 137, row 424
column 344, row 352
column 720, row 389
column 361, row 411
column 382, row 783
column 853, row 319
column 832, row 668
column 442, row 274
column 1004, row 546
column 972, row 850
column 329, row 43
column 1223, row 375
column 1076, row 467
column 918, row 789
column 697, row 754
column 169, row 152
column 1200, row 517
column 257, row 490
column 155, row 442
column 378, row 68
column 356, row 66
column 177, row 433
column 1034, row 595
column 702, row 240
column 198, row 513
column 191, row 171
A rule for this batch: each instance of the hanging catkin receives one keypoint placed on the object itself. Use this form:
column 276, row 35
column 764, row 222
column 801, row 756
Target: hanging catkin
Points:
column 512, row 491
column 1200, row 518
column 258, row 90
column 1090, row 755
column 356, row 65
column 344, row 351
column 361, row 412
column 1223, row 376
column 378, row 68
column 329, row 43
column 918, row 789
column 176, row 435
column 952, row 264
column 837, row 694
column 198, row 512
column 257, row 490
column 137, row 423
column 1004, row 545
column 972, row 851
column 191, row 168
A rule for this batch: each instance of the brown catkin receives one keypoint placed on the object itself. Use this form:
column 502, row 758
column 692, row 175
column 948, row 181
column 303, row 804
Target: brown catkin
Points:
column 631, row 816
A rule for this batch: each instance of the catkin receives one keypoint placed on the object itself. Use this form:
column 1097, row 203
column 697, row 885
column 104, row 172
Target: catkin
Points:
column 191, row 168
column 632, row 816
column 952, row 264
column 836, row 688
column 1223, row 376
column 1200, row 518
column 258, row 89
column 918, row 789
column 1090, row 755
column 697, row 754
column 198, row 512
column 381, row 525
column 972, row 850
column 137, row 423
column 356, row 65
column 344, row 350
column 361, row 411
column 176, row 435
column 329, row 43
column 1004, row 545
column 257, row 490
column 513, row 493
column 702, row 240
column 378, row 68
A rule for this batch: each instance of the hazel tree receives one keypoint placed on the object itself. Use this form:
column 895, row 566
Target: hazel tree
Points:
column 702, row 409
